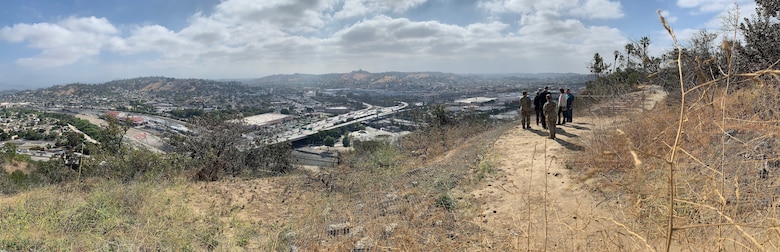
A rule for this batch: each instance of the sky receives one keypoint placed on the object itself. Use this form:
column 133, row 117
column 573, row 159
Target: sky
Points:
column 54, row 42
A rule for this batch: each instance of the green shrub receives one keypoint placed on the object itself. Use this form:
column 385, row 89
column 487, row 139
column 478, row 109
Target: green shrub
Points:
column 19, row 178
column 55, row 172
column 446, row 202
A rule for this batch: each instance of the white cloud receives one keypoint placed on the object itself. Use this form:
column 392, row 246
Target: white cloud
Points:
column 721, row 24
column 63, row 42
column 352, row 8
column 356, row 8
column 550, row 25
column 246, row 38
column 525, row 6
column 385, row 35
column 709, row 6
column 549, row 42
column 206, row 30
column 599, row 9
column 293, row 16
column 725, row 19
column 91, row 25
column 591, row 9
column 668, row 16
column 157, row 38
column 550, row 36
column 400, row 5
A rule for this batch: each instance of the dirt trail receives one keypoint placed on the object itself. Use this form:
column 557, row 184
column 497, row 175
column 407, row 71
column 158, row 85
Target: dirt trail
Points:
column 534, row 204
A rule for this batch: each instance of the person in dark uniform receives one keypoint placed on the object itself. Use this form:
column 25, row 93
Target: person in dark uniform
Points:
column 569, row 103
column 539, row 101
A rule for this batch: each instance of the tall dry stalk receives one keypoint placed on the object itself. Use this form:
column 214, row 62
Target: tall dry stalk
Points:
column 680, row 119
column 729, row 68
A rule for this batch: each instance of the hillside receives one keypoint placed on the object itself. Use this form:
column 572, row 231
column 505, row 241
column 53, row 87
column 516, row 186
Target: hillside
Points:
column 468, row 187
column 536, row 199
column 410, row 81
column 162, row 85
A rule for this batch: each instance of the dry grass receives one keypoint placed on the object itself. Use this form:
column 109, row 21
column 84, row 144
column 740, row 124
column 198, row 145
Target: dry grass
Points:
column 726, row 174
column 392, row 199
column 412, row 195
column 726, row 177
column 402, row 198
column 705, row 169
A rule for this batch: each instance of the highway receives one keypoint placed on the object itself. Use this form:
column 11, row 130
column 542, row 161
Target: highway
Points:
column 369, row 113
column 149, row 140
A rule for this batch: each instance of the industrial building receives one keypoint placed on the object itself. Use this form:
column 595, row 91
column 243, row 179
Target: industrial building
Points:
column 267, row 119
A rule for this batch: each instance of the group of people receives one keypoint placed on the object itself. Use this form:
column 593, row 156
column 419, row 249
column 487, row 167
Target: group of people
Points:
column 548, row 112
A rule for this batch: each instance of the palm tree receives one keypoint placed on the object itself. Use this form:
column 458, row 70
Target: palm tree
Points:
column 645, row 42
column 617, row 55
column 629, row 50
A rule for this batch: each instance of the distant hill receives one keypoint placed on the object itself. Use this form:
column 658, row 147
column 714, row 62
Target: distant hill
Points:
column 8, row 91
column 160, row 85
column 413, row 80
column 395, row 81
column 358, row 78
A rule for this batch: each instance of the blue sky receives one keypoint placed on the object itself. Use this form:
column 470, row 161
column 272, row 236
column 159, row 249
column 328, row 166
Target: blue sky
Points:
column 50, row 42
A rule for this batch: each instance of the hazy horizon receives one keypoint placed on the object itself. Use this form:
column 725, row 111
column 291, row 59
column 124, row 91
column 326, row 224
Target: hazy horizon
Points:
column 46, row 43
column 11, row 87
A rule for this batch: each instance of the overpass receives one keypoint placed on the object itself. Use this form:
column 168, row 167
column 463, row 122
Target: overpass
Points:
column 370, row 113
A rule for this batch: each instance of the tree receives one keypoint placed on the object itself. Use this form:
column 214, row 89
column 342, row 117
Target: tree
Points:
column 644, row 42
column 649, row 64
column 619, row 82
column 617, row 55
column 698, row 62
column 630, row 50
column 112, row 134
column 438, row 115
column 345, row 141
column 597, row 65
column 73, row 139
column 270, row 159
column 761, row 35
column 220, row 148
column 9, row 150
column 215, row 148
column 702, row 58
column 329, row 141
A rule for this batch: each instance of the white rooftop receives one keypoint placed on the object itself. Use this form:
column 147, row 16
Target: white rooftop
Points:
column 475, row 100
column 263, row 119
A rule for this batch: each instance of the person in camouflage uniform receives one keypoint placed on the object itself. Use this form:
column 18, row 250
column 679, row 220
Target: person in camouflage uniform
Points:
column 550, row 113
column 525, row 111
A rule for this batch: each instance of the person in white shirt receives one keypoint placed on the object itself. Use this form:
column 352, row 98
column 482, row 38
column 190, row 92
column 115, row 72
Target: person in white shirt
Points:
column 562, row 107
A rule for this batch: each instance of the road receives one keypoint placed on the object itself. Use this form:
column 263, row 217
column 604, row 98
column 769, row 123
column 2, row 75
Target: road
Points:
column 371, row 112
column 138, row 136
column 134, row 136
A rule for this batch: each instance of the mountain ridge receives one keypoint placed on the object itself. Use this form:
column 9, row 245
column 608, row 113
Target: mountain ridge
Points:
column 356, row 79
